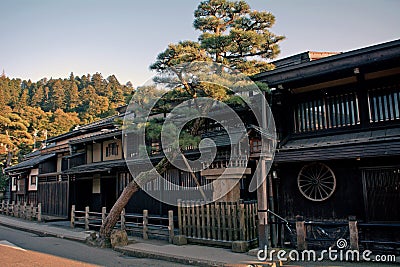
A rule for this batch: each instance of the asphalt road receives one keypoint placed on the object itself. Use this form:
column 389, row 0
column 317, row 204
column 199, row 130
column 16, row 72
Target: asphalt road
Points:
column 72, row 250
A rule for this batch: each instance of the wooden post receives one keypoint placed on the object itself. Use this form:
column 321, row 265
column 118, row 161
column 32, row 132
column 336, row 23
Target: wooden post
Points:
column 301, row 233
column 188, row 218
column 123, row 226
column 12, row 208
column 23, row 215
column 203, row 220
column 193, row 221
column 235, row 220
column 229, row 217
column 223, row 219
column 171, row 225
column 73, row 216
column 86, row 218
column 218, row 219
column 198, row 222
column 180, row 217
column 213, row 224
column 145, row 223
column 7, row 208
column 208, row 221
column 39, row 215
column 242, row 223
column 353, row 233
column 34, row 213
column 15, row 210
column 30, row 212
column 103, row 214
column 184, row 214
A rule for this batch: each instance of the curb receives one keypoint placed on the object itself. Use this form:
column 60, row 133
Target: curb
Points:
column 133, row 252
column 168, row 257
column 43, row 233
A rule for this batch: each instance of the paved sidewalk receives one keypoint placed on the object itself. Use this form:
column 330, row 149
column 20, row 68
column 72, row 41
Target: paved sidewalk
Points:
column 44, row 229
column 156, row 249
column 188, row 254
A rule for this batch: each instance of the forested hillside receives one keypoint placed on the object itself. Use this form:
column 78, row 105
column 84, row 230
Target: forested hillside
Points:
column 34, row 111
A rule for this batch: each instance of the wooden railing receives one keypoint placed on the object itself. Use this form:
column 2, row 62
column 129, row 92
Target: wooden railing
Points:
column 234, row 162
column 218, row 223
column 145, row 225
column 22, row 210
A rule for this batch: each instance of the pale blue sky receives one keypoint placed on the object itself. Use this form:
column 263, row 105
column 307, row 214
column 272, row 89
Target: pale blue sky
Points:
column 50, row 38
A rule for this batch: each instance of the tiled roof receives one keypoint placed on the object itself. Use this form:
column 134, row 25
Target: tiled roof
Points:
column 373, row 143
column 97, row 136
column 30, row 163
column 96, row 167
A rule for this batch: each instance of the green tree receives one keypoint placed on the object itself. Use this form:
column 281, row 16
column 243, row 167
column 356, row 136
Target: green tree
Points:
column 13, row 91
column 92, row 105
column 14, row 137
column 231, row 34
column 38, row 120
column 99, row 84
column 23, row 99
column 236, row 36
column 4, row 92
column 62, row 122
column 72, row 94
column 57, row 96
column 38, row 96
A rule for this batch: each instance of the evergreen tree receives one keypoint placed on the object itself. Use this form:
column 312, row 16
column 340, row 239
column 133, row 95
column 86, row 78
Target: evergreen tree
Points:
column 14, row 137
column 62, row 122
column 231, row 34
column 23, row 99
column 235, row 35
column 38, row 97
column 72, row 94
column 57, row 96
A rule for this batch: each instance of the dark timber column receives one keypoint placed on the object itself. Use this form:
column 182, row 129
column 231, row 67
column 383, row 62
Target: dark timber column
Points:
column 262, row 197
column 362, row 96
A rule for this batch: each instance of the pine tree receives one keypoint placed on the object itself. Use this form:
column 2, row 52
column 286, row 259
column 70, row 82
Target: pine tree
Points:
column 72, row 94
column 38, row 97
column 231, row 34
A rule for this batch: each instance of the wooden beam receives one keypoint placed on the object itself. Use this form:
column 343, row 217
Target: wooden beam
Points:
column 382, row 73
column 323, row 85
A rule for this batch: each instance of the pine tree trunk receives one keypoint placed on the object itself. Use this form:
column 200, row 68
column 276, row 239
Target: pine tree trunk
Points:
column 143, row 178
column 113, row 217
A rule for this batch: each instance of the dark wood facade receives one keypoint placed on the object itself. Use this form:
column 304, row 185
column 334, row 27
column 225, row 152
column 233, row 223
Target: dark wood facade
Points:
column 338, row 119
column 338, row 123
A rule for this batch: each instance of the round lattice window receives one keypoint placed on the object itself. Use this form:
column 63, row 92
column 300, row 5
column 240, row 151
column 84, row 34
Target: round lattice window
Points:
column 316, row 181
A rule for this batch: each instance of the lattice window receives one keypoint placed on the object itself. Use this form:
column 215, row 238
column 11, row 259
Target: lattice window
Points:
column 384, row 103
column 382, row 193
column 112, row 149
column 326, row 113
column 33, row 179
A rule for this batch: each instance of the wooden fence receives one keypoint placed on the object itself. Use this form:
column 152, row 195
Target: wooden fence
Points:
column 218, row 223
column 22, row 210
column 144, row 225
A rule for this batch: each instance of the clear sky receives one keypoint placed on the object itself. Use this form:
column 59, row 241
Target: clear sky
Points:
column 52, row 38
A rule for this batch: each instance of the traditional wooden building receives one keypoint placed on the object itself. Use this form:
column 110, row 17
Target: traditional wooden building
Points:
column 337, row 117
column 338, row 121
column 41, row 177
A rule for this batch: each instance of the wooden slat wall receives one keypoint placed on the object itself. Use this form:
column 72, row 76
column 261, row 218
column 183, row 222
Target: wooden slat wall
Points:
column 54, row 198
column 218, row 221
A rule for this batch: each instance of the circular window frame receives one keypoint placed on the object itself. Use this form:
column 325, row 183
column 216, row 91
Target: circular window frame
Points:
column 309, row 181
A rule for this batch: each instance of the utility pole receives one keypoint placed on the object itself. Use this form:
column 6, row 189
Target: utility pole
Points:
column 262, row 193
